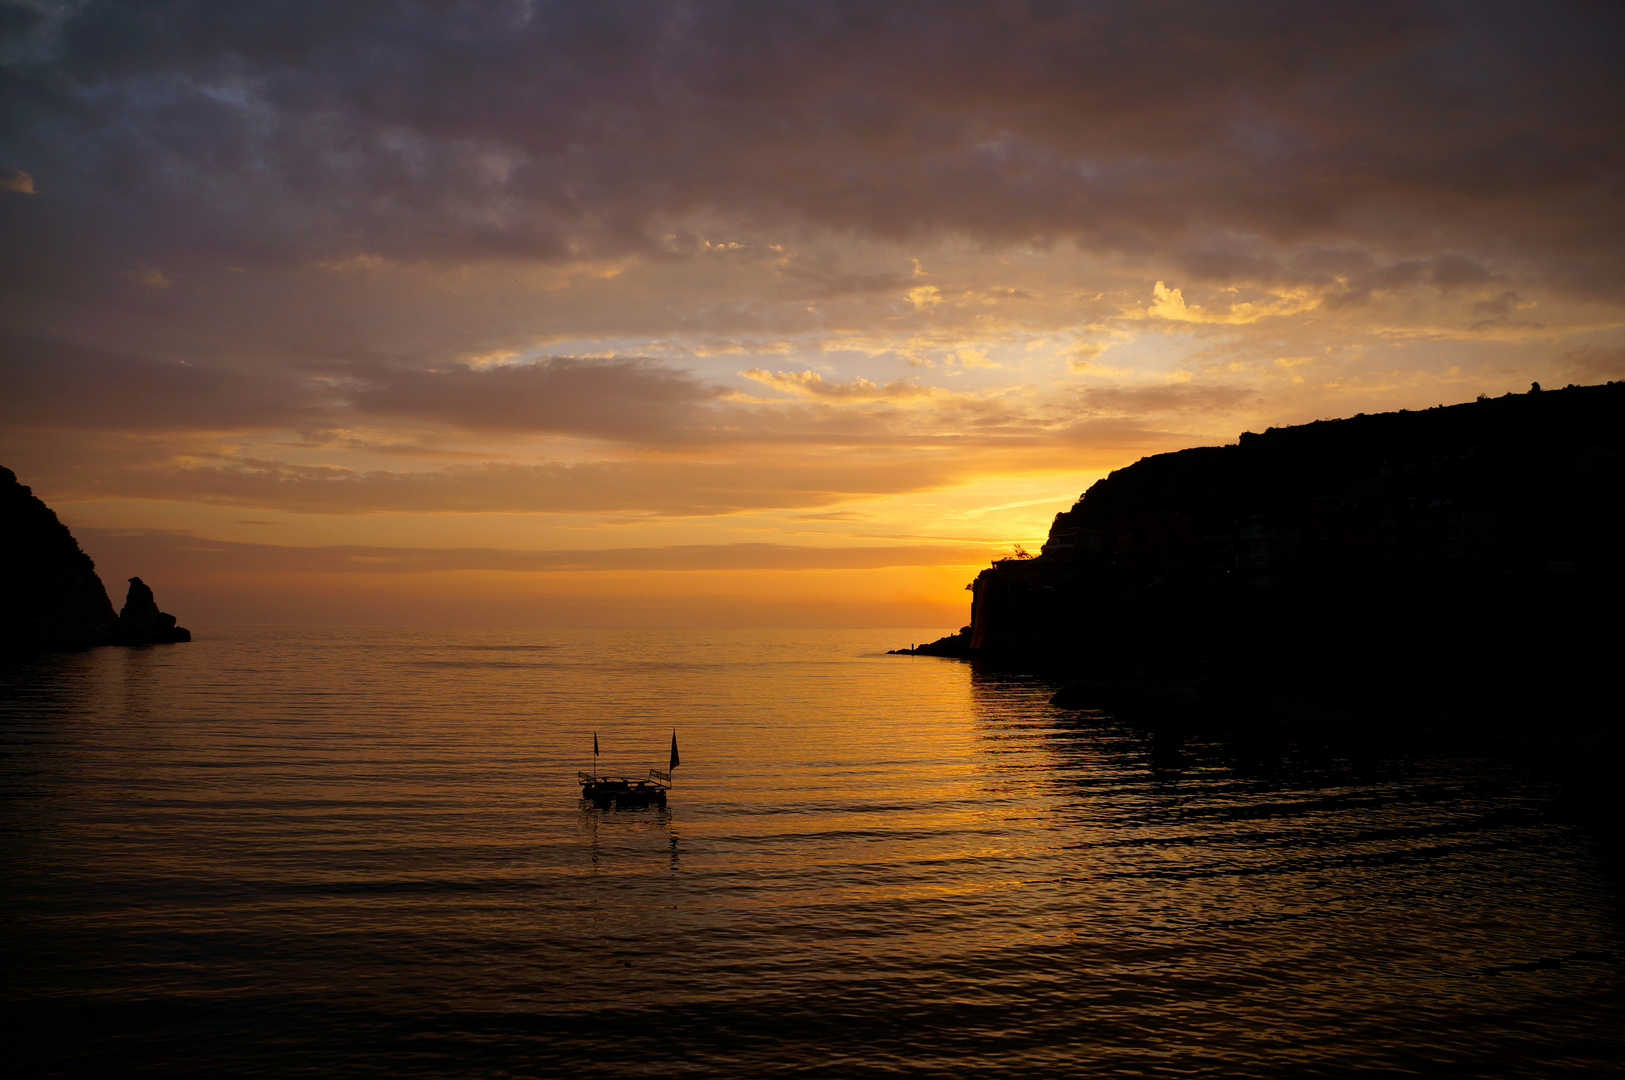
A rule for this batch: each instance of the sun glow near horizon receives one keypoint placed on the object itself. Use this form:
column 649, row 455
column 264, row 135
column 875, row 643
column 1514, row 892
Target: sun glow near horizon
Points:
column 691, row 311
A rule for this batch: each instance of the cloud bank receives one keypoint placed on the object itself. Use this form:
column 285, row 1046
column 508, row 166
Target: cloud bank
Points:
column 835, row 266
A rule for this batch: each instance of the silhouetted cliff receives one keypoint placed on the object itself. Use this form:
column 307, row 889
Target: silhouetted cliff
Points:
column 1519, row 484
column 52, row 597
column 1465, row 546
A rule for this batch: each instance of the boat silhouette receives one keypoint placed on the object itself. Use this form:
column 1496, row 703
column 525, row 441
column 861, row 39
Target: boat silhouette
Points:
column 622, row 792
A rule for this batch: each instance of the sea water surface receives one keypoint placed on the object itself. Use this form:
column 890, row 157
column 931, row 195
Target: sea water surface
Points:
column 339, row 852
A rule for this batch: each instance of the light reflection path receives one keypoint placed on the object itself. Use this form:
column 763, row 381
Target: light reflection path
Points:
column 338, row 851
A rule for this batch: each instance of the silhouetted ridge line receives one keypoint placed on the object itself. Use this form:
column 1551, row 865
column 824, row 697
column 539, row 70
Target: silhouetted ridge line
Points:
column 1440, row 551
column 53, row 596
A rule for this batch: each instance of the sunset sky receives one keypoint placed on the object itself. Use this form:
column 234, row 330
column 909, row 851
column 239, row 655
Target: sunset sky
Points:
column 743, row 313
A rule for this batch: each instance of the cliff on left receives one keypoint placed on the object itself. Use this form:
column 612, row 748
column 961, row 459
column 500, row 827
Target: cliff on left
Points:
column 50, row 593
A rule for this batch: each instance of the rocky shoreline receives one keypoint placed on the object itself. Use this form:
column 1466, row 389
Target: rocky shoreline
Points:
column 57, row 601
column 1459, row 565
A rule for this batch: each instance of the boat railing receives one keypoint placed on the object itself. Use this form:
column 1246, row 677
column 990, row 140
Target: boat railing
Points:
column 655, row 776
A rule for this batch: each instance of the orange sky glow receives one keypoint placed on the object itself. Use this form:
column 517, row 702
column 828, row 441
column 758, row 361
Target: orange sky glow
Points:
column 734, row 315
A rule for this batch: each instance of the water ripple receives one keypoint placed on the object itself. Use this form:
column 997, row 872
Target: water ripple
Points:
column 350, row 852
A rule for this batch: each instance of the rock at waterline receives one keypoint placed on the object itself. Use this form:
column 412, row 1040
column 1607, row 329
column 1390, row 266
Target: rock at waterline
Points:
column 141, row 623
column 50, row 593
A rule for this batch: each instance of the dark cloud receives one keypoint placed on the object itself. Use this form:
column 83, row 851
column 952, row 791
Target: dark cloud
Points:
column 631, row 400
column 50, row 385
column 186, row 554
column 795, row 458
column 661, row 487
column 1351, row 279
column 1214, row 133
column 1593, row 364
column 1172, row 398
column 54, row 384
column 1453, row 271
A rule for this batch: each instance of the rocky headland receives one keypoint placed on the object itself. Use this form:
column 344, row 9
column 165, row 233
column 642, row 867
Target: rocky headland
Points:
column 55, row 600
column 1463, row 560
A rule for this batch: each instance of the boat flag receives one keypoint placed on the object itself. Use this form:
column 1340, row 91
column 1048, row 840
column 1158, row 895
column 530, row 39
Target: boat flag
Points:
column 674, row 762
column 595, row 743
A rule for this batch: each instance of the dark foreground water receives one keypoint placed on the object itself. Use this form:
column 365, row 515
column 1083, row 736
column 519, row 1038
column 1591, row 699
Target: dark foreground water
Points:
column 346, row 852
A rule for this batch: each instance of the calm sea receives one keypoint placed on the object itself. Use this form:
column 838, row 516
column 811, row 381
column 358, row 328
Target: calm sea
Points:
column 361, row 852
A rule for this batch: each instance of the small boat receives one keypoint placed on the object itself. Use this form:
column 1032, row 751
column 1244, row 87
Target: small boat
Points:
column 620, row 792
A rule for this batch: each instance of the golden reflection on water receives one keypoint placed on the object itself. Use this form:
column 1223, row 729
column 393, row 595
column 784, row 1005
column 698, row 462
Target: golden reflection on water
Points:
column 869, row 863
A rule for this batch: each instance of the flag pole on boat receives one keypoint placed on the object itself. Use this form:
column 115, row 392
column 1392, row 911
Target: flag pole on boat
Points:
column 595, row 753
column 674, row 759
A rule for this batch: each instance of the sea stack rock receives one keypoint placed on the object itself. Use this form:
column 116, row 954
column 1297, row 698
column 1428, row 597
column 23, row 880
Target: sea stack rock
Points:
column 51, row 596
column 141, row 623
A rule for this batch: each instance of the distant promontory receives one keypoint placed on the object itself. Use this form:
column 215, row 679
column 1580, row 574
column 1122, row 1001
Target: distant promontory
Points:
column 54, row 598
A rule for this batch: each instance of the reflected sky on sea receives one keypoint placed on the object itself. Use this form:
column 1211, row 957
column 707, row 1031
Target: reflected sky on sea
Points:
column 336, row 850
